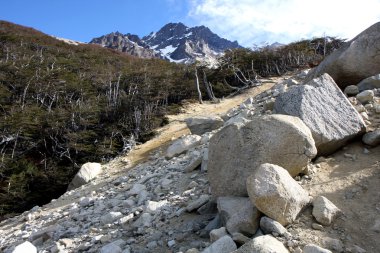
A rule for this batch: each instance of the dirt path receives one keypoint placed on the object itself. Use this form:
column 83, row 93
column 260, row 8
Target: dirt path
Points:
column 177, row 127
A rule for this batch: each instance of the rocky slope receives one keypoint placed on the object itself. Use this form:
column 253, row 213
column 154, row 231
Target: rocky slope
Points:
column 174, row 41
column 318, row 192
column 164, row 204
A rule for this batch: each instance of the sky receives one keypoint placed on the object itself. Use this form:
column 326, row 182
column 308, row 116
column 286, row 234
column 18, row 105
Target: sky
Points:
column 250, row 22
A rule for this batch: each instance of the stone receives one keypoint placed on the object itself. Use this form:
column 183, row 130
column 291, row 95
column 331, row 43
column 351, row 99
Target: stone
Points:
column 369, row 83
column 238, row 215
column 322, row 106
column 365, row 96
column 203, row 199
column 215, row 234
column 154, row 207
column 351, row 90
column 200, row 125
column 270, row 226
column 111, row 217
column 376, row 226
column 183, row 144
column 376, row 107
column 354, row 61
column 237, row 150
column 324, row 211
column 262, row 244
column 276, row 194
column 240, row 238
column 372, row 138
column 145, row 220
column 87, row 172
column 204, row 160
column 224, row 244
column 316, row 226
column 136, row 189
column 110, row 248
column 333, row 244
column 194, row 163
column 311, row 248
column 25, row 247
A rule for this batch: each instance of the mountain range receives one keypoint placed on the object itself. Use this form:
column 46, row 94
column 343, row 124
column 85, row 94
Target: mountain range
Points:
column 174, row 42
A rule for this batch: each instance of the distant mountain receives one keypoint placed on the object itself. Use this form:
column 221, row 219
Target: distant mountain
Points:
column 126, row 43
column 174, row 42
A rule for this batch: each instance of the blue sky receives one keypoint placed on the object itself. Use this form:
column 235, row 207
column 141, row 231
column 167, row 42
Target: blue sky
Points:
column 247, row 21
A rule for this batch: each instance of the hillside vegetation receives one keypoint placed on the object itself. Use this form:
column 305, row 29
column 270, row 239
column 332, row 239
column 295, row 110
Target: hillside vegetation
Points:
column 62, row 105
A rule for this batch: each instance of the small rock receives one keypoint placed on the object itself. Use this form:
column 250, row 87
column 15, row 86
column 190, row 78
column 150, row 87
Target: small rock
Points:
column 357, row 249
column 317, row 226
column 215, row 234
column 324, row 210
column 263, row 244
column 25, row 247
column 332, row 244
column 240, row 238
column 351, row 90
column 111, row 248
column 145, row 220
column 183, row 144
column 311, row 248
column 154, row 207
column 376, row 226
column 223, row 245
column 269, row 226
column 244, row 219
column 171, row 243
column 111, row 217
column 365, row 96
column 203, row 199
column 372, row 138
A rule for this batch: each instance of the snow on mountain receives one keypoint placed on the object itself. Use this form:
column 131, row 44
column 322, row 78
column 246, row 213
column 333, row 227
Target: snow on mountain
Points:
column 174, row 42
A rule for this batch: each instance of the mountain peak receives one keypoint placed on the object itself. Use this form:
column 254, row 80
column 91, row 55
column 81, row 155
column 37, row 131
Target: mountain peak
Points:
column 174, row 41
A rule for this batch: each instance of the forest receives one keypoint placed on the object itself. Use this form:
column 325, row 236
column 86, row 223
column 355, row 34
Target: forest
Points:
column 62, row 105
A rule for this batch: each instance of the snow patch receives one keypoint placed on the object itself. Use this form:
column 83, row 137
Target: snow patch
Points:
column 166, row 51
column 71, row 42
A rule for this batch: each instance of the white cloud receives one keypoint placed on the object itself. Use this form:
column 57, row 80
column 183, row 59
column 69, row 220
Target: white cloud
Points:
column 256, row 21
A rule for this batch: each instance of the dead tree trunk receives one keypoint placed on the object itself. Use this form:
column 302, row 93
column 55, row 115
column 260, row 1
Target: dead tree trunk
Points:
column 198, row 89
column 209, row 91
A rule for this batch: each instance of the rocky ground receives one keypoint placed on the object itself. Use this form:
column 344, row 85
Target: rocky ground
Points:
column 147, row 202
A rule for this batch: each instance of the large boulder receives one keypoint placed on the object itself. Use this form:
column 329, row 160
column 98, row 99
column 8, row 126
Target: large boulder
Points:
column 356, row 60
column 276, row 194
column 87, row 172
column 238, row 215
column 182, row 145
column 237, row 150
column 262, row 244
column 323, row 107
column 200, row 125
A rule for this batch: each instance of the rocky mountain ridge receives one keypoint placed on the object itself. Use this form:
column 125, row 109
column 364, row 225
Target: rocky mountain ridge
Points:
column 174, row 42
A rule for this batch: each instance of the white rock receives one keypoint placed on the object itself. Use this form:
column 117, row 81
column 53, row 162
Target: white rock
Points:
column 324, row 210
column 154, row 207
column 276, row 194
column 25, row 247
column 263, row 244
column 316, row 103
column 87, row 172
column 223, row 245
column 236, row 151
column 183, row 144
